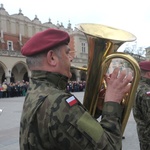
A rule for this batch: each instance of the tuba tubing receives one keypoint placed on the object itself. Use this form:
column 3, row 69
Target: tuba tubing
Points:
column 130, row 97
column 103, row 42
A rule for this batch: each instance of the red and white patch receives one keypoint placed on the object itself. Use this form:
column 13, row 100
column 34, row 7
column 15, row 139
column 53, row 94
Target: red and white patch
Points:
column 71, row 101
column 148, row 93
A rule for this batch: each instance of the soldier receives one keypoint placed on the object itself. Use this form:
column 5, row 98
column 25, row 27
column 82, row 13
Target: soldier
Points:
column 141, row 109
column 53, row 119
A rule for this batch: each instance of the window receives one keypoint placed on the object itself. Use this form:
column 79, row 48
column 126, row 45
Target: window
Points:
column 10, row 45
column 83, row 48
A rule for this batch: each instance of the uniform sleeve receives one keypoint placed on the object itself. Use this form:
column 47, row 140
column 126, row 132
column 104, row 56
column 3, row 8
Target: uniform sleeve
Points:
column 73, row 128
column 141, row 112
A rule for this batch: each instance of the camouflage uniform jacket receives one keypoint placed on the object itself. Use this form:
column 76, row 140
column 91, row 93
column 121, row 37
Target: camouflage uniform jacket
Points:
column 141, row 112
column 53, row 119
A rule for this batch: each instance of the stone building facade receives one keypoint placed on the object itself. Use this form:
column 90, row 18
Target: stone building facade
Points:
column 16, row 30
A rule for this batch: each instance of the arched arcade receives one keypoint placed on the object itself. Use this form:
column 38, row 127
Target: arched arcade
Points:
column 14, row 71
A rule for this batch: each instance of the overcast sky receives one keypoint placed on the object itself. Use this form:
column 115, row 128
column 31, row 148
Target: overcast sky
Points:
column 130, row 15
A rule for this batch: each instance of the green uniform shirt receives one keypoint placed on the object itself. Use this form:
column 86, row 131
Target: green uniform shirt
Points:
column 53, row 119
column 141, row 112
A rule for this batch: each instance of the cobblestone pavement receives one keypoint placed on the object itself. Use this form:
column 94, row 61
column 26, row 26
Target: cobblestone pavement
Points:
column 10, row 118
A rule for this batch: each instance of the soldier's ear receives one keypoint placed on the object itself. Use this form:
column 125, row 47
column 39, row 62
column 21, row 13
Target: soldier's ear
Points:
column 51, row 58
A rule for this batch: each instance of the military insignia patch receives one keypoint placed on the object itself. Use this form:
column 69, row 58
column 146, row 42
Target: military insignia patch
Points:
column 148, row 93
column 71, row 101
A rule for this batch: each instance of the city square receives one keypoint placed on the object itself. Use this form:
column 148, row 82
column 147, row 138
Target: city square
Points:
column 89, row 43
column 10, row 120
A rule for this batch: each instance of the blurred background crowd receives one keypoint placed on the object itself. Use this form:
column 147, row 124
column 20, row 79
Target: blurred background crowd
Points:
column 20, row 88
column 13, row 89
column 76, row 86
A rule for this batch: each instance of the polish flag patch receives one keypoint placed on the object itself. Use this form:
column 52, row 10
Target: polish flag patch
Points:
column 148, row 93
column 71, row 101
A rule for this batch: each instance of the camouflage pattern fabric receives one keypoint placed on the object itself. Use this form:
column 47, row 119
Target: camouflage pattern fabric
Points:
column 53, row 119
column 141, row 112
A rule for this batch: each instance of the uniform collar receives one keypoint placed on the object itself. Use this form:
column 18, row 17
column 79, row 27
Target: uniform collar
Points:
column 58, row 80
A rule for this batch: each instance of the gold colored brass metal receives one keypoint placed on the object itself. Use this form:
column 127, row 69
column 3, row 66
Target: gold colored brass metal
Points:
column 130, row 97
column 79, row 68
column 103, row 43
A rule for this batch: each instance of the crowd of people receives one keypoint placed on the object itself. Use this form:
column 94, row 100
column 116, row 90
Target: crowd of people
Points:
column 76, row 86
column 20, row 88
column 13, row 89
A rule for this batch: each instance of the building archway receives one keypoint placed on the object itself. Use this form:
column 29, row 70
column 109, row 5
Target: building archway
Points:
column 12, row 79
column 20, row 72
column 26, row 77
column 2, row 72
column 73, row 78
column 83, row 74
column 3, row 78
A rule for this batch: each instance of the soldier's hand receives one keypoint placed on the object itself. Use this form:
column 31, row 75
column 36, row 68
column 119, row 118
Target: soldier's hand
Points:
column 118, row 84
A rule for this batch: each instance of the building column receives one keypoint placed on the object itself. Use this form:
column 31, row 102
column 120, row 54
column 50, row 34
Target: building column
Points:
column 8, row 79
column 78, row 75
column 8, row 75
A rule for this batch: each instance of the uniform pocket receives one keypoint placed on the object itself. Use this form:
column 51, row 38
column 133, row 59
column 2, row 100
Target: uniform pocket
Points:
column 80, row 138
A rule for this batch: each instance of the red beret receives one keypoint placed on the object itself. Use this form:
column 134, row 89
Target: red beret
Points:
column 145, row 65
column 44, row 41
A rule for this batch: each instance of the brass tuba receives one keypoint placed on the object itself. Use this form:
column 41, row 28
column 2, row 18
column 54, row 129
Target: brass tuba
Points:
column 103, row 42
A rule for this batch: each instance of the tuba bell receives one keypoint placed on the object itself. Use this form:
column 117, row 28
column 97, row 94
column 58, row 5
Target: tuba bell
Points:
column 103, row 42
